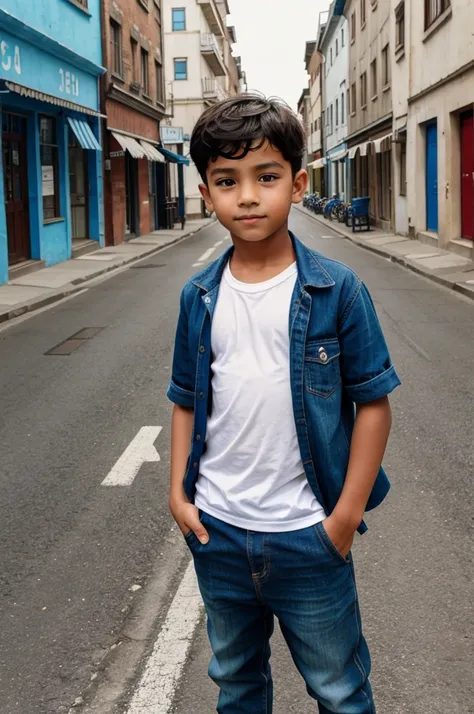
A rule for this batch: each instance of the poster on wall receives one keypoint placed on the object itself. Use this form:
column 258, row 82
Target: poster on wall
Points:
column 47, row 180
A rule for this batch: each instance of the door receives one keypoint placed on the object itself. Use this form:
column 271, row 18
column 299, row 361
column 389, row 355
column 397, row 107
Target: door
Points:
column 432, row 177
column 131, row 189
column 467, row 175
column 79, row 189
column 152, row 195
column 15, row 186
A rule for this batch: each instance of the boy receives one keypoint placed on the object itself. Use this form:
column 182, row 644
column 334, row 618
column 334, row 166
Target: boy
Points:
column 272, row 464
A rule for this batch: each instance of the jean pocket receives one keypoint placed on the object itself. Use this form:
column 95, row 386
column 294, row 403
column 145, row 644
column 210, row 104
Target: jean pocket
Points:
column 328, row 545
column 322, row 375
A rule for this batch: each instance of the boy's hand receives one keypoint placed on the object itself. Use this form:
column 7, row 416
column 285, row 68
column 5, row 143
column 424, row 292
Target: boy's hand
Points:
column 187, row 517
column 341, row 534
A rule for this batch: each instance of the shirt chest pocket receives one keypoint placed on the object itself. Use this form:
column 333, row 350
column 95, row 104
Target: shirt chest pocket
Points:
column 322, row 374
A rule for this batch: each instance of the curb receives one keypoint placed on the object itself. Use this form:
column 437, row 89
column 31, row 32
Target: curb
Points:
column 400, row 260
column 79, row 283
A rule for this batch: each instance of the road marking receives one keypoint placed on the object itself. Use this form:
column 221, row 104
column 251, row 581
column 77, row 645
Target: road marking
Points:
column 140, row 450
column 205, row 256
column 218, row 243
column 155, row 691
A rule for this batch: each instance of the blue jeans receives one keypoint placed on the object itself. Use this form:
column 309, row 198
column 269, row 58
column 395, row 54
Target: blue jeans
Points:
column 246, row 578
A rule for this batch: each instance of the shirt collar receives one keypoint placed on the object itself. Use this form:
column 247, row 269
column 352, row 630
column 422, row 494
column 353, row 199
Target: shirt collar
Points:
column 310, row 270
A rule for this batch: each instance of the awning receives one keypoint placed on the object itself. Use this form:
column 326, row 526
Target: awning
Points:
column 378, row 143
column 130, row 145
column 360, row 147
column 84, row 134
column 317, row 164
column 151, row 151
column 42, row 97
column 337, row 155
column 172, row 157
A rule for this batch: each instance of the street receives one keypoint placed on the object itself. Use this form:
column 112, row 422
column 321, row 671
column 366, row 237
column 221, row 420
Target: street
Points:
column 88, row 570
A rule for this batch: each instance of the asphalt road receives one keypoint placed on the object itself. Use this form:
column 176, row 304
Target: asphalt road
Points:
column 87, row 571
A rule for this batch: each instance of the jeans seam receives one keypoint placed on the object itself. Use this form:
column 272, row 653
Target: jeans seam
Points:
column 265, row 691
column 355, row 655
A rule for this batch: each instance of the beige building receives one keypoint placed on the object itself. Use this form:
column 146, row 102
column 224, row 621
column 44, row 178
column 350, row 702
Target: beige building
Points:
column 199, row 71
column 369, row 101
column 314, row 130
column 440, row 155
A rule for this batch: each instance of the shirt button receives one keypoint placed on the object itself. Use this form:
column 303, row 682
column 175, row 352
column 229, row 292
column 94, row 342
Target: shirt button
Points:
column 202, row 349
column 201, row 395
column 195, row 465
column 198, row 437
column 207, row 300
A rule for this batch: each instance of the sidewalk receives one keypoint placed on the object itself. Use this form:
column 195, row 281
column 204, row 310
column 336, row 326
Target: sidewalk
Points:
column 48, row 285
column 448, row 269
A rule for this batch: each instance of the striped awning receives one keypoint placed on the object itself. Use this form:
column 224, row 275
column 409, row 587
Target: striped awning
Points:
column 378, row 143
column 360, row 147
column 129, row 144
column 151, row 152
column 84, row 134
column 42, row 97
column 317, row 164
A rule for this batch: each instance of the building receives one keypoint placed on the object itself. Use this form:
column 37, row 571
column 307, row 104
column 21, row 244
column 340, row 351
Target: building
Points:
column 333, row 45
column 200, row 70
column 369, row 103
column 304, row 113
column 400, row 74
column 136, row 192
column 51, row 174
column 315, row 150
column 440, row 155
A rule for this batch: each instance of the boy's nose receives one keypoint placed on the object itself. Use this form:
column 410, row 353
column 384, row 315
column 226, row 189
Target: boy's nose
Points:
column 248, row 196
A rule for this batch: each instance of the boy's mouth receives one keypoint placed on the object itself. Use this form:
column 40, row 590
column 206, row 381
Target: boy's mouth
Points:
column 250, row 218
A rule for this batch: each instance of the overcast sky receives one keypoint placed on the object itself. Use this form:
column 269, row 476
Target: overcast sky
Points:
column 271, row 38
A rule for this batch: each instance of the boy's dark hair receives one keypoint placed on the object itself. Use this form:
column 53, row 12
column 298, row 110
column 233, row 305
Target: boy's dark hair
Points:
column 243, row 123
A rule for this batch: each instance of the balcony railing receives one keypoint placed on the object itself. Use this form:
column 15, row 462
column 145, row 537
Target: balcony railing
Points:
column 211, row 89
column 212, row 54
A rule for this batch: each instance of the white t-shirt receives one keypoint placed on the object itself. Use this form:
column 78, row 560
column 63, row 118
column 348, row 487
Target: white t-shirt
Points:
column 251, row 474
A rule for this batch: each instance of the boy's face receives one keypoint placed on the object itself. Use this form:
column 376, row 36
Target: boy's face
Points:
column 252, row 196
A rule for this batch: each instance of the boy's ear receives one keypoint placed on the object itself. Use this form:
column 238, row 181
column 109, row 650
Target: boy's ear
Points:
column 207, row 197
column 300, row 184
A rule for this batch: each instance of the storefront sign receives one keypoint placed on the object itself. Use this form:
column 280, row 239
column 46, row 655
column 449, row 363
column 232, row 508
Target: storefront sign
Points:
column 28, row 65
column 171, row 134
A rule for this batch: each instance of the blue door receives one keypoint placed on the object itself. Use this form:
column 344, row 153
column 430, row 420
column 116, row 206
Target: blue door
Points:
column 432, row 177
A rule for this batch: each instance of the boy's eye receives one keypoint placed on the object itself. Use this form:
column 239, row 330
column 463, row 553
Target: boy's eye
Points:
column 268, row 178
column 227, row 182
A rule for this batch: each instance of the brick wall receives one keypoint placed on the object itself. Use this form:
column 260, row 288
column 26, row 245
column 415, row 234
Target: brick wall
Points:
column 143, row 196
column 118, row 199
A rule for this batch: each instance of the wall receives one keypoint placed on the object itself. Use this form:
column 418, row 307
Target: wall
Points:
column 401, row 59
column 314, row 69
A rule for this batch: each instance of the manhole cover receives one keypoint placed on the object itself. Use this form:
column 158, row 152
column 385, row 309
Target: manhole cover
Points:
column 66, row 347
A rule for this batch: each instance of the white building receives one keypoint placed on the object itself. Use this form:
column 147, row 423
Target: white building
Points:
column 440, row 150
column 314, row 119
column 199, row 71
column 334, row 46
column 400, row 73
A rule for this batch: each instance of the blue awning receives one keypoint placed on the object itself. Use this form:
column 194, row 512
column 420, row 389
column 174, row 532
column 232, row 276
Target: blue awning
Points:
column 84, row 134
column 172, row 157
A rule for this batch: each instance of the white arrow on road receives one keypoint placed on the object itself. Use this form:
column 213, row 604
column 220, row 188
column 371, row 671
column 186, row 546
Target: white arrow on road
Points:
column 140, row 449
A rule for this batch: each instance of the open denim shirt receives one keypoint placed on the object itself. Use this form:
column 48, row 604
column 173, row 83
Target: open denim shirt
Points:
column 338, row 358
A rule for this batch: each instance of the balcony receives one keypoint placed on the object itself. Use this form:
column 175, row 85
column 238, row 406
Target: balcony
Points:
column 212, row 15
column 212, row 54
column 212, row 91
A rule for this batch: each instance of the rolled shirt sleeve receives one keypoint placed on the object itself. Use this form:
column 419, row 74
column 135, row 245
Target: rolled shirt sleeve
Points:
column 181, row 387
column 366, row 368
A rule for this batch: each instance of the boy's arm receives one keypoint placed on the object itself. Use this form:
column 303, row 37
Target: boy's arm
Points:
column 368, row 377
column 369, row 439
column 185, row 514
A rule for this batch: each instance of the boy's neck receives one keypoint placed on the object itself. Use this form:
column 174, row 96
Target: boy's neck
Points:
column 271, row 255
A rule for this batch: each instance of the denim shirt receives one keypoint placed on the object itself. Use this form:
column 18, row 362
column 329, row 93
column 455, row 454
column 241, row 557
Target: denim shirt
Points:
column 338, row 358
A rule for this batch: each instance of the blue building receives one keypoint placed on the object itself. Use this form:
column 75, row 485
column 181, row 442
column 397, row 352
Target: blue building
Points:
column 51, row 175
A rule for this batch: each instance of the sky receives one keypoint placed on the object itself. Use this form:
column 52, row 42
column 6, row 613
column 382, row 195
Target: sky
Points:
column 271, row 37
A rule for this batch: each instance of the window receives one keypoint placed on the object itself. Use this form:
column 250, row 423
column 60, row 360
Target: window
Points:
column 332, row 118
column 337, row 112
column 159, row 83
column 385, row 67
column 353, row 99
column 144, row 71
column 181, row 69
column 363, row 90
column 115, row 47
column 400, row 26
column 331, row 55
column 348, row 102
column 343, row 113
column 403, row 169
column 433, row 10
column 353, row 27
column 49, row 167
column 342, row 37
column 337, row 47
column 373, row 78
column 133, row 52
column 179, row 19
column 363, row 16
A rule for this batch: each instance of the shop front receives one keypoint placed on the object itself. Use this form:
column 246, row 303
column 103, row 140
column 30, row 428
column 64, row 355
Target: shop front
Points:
column 51, row 172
